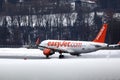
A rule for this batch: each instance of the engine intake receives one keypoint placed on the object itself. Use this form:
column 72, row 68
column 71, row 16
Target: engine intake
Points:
column 48, row 52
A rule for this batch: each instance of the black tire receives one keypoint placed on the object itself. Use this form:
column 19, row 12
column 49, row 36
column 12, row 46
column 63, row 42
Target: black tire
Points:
column 61, row 56
column 47, row 56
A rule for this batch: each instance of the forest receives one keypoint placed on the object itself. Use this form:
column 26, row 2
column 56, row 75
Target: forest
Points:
column 23, row 21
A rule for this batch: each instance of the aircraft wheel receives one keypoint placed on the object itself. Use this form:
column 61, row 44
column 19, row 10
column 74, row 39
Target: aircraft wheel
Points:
column 47, row 56
column 61, row 56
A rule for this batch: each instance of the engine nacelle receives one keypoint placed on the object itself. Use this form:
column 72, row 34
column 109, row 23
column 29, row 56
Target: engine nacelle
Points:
column 48, row 52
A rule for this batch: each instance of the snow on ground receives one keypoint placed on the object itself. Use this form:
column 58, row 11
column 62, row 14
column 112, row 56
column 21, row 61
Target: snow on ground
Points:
column 17, row 52
column 99, row 65
column 36, row 53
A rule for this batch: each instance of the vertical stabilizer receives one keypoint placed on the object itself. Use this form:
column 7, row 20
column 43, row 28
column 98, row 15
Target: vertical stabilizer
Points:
column 102, row 34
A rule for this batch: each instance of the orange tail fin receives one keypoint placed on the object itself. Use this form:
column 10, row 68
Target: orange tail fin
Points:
column 102, row 34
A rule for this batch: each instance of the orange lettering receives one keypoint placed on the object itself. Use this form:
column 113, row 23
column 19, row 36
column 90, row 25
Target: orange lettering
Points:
column 49, row 43
column 64, row 44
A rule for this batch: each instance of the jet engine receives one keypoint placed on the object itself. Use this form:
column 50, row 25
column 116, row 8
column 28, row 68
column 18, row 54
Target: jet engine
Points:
column 48, row 52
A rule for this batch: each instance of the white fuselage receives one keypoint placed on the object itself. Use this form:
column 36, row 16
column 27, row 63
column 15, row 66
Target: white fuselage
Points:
column 69, row 46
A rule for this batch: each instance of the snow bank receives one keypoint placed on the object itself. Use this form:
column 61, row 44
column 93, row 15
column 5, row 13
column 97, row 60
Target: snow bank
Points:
column 38, row 53
column 86, row 67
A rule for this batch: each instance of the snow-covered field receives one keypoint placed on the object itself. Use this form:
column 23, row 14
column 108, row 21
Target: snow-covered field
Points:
column 99, row 65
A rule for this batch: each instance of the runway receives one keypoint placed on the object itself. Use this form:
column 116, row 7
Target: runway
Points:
column 99, row 65
column 21, row 53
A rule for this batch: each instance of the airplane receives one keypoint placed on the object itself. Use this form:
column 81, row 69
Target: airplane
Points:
column 49, row 47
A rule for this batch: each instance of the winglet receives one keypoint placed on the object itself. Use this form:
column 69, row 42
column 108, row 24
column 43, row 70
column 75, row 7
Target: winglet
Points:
column 102, row 34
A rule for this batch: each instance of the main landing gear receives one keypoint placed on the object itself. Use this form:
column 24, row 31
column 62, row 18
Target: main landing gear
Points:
column 61, row 56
